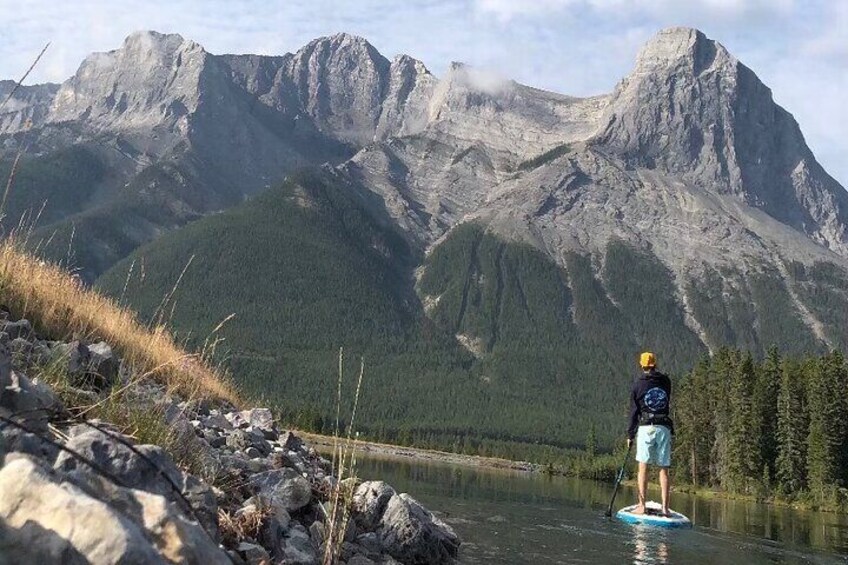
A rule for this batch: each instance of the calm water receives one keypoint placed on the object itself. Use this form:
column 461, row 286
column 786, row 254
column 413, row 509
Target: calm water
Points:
column 516, row 518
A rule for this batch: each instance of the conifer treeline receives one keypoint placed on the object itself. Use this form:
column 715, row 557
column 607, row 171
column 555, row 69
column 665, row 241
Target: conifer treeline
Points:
column 774, row 427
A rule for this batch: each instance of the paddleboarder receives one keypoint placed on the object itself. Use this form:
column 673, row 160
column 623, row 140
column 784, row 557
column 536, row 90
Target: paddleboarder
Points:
column 651, row 428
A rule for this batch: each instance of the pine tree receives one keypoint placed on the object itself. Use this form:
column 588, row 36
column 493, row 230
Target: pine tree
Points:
column 765, row 402
column 824, row 442
column 791, row 429
column 694, row 433
column 742, row 445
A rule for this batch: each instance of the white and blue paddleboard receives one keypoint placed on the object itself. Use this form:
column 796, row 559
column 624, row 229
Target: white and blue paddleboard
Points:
column 653, row 517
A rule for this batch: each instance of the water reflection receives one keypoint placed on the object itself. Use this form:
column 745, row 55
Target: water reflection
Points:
column 649, row 546
column 517, row 518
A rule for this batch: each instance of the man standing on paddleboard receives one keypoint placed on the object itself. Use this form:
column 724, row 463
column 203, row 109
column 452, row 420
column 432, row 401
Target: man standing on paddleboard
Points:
column 651, row 427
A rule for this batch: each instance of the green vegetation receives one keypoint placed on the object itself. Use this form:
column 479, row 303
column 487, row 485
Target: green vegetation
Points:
column 753, row 312
column 94, row 239
column 500, row 352
column 769, row 429
column 823, row 287
column 51, row 186
column 529, row 383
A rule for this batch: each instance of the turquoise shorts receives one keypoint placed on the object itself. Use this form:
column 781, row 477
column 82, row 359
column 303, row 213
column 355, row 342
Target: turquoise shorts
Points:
column 653, row 445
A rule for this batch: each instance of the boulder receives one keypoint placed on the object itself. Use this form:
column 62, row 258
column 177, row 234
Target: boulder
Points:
column 411, row 534
column 286, row 488
column 74, row 356
column 177, row 539
column 259, row 418
column 369, row 504
column 59, row 519
column 242, row 440
column 30, row 401
column 21, row 351
column 146, row 471
column 360, row 560
column 253, row 554
column 216, row 420
column 103, row 364
column 370, row 542
column 19, row 329
column 291, row 441
column 18, row 441
column 298, row 548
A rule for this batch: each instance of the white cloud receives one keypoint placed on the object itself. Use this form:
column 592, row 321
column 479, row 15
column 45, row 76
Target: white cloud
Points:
column 506, row 10
column 832, row 42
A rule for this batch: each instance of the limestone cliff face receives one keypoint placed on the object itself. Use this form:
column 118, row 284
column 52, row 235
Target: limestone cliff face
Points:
column 27, row 106
column 692, row 110
column 689, row 155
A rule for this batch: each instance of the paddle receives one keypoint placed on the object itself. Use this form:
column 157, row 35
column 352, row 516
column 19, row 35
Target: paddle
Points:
column 620, row 476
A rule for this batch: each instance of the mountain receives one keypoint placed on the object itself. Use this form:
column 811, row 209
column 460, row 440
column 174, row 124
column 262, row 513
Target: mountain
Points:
column 499, row 253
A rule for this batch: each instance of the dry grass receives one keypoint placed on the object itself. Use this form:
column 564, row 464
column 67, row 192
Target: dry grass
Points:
column 344, row 469
column 239, row 527
column 60, row 306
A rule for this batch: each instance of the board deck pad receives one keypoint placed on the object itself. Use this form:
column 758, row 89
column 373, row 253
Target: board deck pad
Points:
column 653, row 517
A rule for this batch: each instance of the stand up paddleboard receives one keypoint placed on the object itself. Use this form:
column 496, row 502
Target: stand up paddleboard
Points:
column 653, row 517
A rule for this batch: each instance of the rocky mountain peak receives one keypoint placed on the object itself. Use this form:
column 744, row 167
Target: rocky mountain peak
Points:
column 26, row 107
column 691, row 109
column 148, row 43
column 341, row 81
column 152, row 78
column 682, row 48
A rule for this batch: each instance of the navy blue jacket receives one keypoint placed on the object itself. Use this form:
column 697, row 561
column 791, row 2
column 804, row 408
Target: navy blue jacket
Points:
column 650, row 402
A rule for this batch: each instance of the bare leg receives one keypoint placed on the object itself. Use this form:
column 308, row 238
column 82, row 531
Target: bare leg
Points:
column 643, row 487
column 664, row 487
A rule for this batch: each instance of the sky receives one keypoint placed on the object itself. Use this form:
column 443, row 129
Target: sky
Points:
column 579, row 47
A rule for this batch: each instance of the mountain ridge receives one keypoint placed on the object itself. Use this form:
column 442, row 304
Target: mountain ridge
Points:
column 686, row 195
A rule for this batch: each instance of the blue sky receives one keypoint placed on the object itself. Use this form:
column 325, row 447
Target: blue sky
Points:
column 798, row 48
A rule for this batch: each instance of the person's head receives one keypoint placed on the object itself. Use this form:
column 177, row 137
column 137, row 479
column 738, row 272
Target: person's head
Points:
column 648, row 361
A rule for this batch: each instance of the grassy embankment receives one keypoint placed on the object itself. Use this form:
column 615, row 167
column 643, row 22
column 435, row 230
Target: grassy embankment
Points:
column 60, row 307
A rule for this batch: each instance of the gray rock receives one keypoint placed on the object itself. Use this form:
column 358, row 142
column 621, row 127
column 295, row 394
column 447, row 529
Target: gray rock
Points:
column 217, row 421
column 271, row 537
column 317, row 533
column 147, row 471
column 101, row 523
column 253, row 554
column 18, row 441
column 239, row 440
column 214, row 439
column 252, row 452
column 369, row 503
column 30, row 401
column 412, row 535
column 103, row 363
column 370, row 542
column 259, row 418
column 75, row 355
column 284, row 486
column 20, row 329
column 290, row 441
column 34, row 503
column 298, row 549
column 21, row 351
column 360, row 560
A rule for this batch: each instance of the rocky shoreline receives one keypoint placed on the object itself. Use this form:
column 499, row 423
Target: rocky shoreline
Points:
column 78, row 490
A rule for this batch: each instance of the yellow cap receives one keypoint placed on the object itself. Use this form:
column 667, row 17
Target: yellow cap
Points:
column 647, row 360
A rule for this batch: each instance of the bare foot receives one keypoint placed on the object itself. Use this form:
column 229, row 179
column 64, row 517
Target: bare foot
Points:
column 640, row 509
column 666, row 513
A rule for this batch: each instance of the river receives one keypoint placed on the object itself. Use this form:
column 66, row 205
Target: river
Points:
column 509, row 517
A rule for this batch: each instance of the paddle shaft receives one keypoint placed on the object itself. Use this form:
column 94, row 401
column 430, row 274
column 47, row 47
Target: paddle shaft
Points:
column 618, row 479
